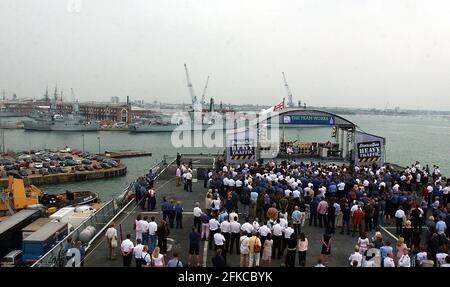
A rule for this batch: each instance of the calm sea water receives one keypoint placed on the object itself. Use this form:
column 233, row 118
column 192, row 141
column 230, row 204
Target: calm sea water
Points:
column 409, row 138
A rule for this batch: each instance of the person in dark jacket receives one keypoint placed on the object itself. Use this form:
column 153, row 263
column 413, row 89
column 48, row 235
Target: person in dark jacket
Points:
column 162, row 232
column 345, row 218
column 179, row 215
column 291, row 251
column 218, row 260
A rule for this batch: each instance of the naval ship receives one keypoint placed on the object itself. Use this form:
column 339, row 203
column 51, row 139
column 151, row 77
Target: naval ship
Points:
column 57, row 122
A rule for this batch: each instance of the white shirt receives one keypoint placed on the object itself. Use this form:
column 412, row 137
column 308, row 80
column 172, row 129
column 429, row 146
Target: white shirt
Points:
column 283, row 221
column 341, row 186
column 440, row 257
column 232, row 215
column 158, row 261
column 247, row 227
column 421, row 256
column 264, row 230
column 144, row 225
column 111, row 232
column 255, row 226
column 388, row 262
column 238, row 183
column 152, row 227
column 288, row 232
column 244, row 244
column 277, row 230
column 137, row 251
column 296, row 193
column 219, row 239
column 225, row 227
column 400, row 213
column 188, row 175
column 126, row 246
column 197, row 211
column 213, row 224
column 404, row 261
column 355, row 257
column 235, row 227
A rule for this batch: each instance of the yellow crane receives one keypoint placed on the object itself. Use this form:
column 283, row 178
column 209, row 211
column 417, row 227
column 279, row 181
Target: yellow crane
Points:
column 18, row 196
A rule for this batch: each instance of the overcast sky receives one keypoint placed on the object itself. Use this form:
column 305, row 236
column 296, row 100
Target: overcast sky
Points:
column 351, row 53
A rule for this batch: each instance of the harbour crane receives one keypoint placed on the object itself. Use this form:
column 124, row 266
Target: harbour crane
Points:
column 204, row 92
column 290, row 104
column 194, row 99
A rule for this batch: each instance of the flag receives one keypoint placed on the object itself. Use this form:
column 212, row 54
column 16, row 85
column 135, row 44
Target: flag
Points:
column 278, row 107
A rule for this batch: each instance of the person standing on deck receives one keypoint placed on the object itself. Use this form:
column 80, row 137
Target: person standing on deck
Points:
column 235, row 228
column 162, row 232
column 197, row 214
column 111, row 238
column 179, row 215
column 151, row 200
column 171, row 213
column 152, row 228
column 225, row 229
column 127, row 251
column 178, row 159
column 194, row 246
column 178, row 176
column 138, row 227
column 399, row 219
column 254, row 247
column 137, row 252
column 144, row 223
column 189, row 180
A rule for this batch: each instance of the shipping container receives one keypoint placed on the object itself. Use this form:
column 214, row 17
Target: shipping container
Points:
column 41, row 241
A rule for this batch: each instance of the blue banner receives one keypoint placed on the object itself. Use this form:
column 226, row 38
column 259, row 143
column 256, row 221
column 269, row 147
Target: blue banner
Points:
column 309, row 120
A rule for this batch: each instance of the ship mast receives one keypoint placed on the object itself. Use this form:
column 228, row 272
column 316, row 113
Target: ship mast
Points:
column 290, row 104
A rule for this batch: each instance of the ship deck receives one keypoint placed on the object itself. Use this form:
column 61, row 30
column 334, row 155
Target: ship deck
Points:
column 165, row 185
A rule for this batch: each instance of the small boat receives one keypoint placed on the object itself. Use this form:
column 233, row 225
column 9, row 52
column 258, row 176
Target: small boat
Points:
column 69, row 198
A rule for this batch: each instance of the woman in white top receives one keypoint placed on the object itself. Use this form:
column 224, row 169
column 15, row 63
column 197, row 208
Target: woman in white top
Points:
column 363, row 243
column 111, row 237
column 138, row 227
column 302, row 247
column 208, row 201
column 157, row 258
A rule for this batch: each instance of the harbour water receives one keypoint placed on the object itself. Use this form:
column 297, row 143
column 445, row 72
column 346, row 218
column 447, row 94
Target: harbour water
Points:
column 409, row 138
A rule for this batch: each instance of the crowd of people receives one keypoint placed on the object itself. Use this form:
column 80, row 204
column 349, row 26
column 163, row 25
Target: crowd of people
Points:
column 259, row 212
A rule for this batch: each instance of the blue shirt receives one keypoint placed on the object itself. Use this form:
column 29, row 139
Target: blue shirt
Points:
column 174, row 262
column 440, row 227
column 194, row 238
column 384, row 250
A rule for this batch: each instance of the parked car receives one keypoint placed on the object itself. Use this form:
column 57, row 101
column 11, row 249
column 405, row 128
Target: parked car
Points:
column 5, row 162
column 86, row 161
column 97, row 166
column 23, row 172
column 88, row 167
column 43, row 171
column 38, row 165
column 79, row 168
column 105, row 165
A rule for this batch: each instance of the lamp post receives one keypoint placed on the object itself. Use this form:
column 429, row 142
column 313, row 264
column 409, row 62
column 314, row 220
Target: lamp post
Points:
column 83, row 142
column 98, row 145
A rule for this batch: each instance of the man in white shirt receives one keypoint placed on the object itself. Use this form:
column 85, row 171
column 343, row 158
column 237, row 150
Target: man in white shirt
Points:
column 233, row 215
column 235, row 228
column 197, row 213
column 263, row 232
column 219, row 243
column 225, row 229
column 152, row 227
column 404, row 260
column 277, row 232
column 389, row 261
column 189, row 180
column 213, row 229
column 286, row 236
column 356, row 256
column 399, row 218
column 144, row 225
column 440, row 257
column 247, row 227
column 137, row 252
column 127, row 251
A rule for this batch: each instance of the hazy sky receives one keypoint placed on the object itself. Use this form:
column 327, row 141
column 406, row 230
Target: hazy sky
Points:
column 351, row 53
